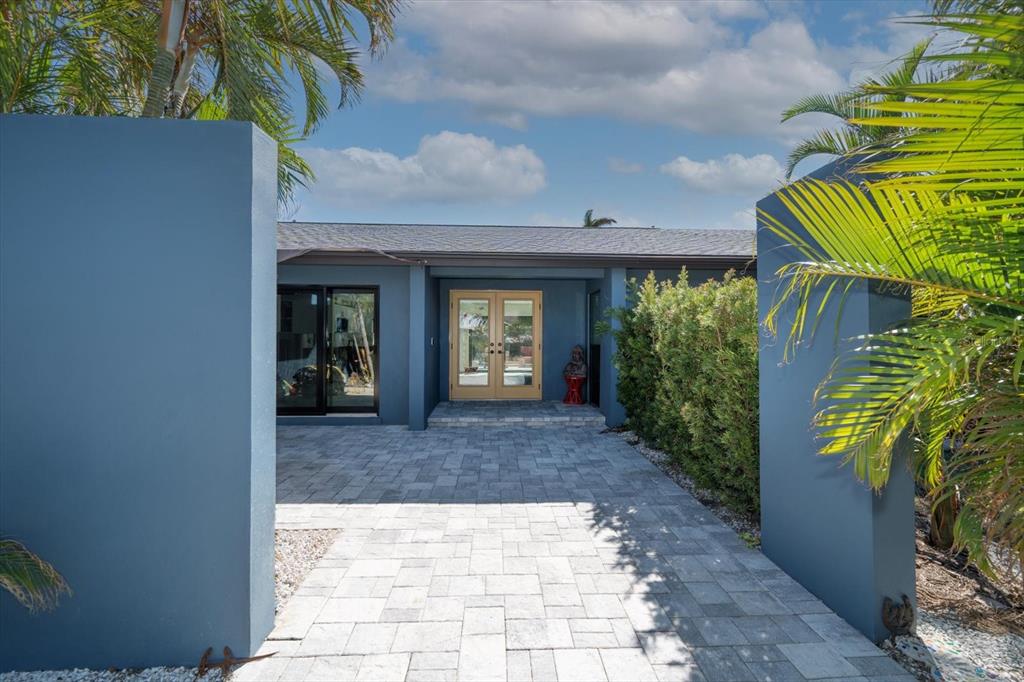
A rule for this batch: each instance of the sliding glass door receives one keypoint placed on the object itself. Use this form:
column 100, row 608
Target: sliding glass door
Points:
column 327, row 352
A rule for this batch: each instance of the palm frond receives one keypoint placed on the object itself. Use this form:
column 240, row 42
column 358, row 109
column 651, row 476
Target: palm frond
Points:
column 30, row 580
column 937, row 214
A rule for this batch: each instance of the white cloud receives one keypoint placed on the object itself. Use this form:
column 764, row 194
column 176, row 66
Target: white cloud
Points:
column 732, row 174
column 680, row 64
column 617, row 165
column 447, row 167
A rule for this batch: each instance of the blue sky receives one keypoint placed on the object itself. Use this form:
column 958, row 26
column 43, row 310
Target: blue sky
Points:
column 530, row 113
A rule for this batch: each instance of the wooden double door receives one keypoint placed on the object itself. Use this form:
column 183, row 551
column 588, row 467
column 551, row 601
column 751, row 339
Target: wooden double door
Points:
column 495, row 346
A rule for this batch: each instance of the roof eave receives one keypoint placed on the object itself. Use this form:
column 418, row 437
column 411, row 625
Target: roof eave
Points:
column 340, row 257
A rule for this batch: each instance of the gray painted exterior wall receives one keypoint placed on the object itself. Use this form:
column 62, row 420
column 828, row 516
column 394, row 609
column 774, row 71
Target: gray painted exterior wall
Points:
column 414, row 343
column 847, row 545
column 414, row 328
column 137, row 396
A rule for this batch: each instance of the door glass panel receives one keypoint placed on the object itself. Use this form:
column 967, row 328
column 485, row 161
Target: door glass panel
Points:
column 595, row 315
column 352, row 350
column 517, row 342
column 297, row 349
column 474, row 345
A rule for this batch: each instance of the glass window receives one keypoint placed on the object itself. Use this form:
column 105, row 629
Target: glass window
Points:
column 352, row 350
column 474, row 342
column 298, row 373
column 517, row 337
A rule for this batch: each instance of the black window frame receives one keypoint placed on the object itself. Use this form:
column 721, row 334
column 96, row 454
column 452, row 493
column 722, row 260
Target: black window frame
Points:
column 324, row 291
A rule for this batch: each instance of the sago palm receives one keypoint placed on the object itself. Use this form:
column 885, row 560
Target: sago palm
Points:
column 590, row 221
column 203, row 59
column 942, row 218
column 850, row 105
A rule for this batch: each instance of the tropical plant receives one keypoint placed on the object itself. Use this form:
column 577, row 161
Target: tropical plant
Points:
column 590, row 221
column 687, row 376
column 941, row 219
column 33, row 582
column 201, row 59
column 852, row 105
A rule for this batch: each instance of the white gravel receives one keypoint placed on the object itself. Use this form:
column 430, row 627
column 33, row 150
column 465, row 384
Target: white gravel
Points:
column 82, row 675
column 964, row 653
column 296, row 552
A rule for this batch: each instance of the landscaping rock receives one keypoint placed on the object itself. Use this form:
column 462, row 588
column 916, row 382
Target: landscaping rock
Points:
column 296, row 552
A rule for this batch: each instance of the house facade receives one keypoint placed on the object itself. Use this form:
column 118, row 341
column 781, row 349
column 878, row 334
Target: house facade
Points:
column 377, row 324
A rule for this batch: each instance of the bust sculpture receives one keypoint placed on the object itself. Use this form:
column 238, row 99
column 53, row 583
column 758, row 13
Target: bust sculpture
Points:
column 577, row 365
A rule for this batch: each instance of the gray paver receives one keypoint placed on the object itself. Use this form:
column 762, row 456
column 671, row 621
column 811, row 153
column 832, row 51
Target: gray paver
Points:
column 816, row 661
column 523, row 553
column 579, row 665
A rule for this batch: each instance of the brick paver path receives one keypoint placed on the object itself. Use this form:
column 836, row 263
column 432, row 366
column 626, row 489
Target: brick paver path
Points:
column 530, row 554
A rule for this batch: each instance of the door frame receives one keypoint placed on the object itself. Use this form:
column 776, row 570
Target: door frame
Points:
column 495, row 388
column 323, row 337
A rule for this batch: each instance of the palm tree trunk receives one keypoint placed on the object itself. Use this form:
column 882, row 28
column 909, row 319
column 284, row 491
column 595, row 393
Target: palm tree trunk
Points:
column 172, row 22
column 183, row 79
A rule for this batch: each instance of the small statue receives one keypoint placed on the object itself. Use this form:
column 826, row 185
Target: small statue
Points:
column 577, row 365
column 898, row 618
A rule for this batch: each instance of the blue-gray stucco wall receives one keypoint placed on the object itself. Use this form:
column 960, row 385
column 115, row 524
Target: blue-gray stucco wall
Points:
column 393, row 281
column 136, row 400
column 847, row 545
column 564, row 320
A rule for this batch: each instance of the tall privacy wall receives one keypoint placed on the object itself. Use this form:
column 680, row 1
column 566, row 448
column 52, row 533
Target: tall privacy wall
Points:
column 819, row 523
column 137, row 275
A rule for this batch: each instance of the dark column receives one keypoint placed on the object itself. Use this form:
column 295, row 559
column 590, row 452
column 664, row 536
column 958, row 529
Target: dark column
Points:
column 614, row 292
column 417, row 347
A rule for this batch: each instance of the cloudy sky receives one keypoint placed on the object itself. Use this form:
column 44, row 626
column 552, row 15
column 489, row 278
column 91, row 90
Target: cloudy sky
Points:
column 531, row 112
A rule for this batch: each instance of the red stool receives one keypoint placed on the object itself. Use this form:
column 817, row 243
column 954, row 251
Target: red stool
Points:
column 574, row 396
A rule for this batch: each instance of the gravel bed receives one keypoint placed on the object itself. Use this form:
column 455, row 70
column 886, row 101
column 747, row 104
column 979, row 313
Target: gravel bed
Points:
column 964, row 653
column 296, row 552
column 81, row 675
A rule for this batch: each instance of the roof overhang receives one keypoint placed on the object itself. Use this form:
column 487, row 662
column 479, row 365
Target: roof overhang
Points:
column 335, row 257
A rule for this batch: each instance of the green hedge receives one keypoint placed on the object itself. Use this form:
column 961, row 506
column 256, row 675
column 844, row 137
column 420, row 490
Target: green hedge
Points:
column 687, row 361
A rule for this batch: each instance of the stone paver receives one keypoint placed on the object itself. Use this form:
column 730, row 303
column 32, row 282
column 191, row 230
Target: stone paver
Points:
column 523, row 553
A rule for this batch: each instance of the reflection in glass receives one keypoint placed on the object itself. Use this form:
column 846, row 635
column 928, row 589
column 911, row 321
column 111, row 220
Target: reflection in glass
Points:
column 474, row 342
column 297, row 346
column 517, row 337
column 351, row 350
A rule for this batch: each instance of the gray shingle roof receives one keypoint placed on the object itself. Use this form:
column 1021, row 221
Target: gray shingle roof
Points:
column 493, row 240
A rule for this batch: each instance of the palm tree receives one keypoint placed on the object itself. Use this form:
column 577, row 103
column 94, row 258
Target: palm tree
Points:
column 33, row 582
column 850, row 105
column 202, row 59
column 590, row 221
column 943, row 219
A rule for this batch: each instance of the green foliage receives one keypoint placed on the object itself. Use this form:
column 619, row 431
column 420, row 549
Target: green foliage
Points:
column 33, row 582
column 590, row 221
column 236, row 59
column 943, row 219
column 687, row 362
column 853, row 104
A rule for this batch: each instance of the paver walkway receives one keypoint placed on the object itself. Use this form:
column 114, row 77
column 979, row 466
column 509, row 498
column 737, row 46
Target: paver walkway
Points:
column 530, row 554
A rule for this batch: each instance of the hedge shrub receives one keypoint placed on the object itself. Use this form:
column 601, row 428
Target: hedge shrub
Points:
column 687, row 361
